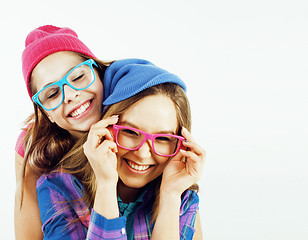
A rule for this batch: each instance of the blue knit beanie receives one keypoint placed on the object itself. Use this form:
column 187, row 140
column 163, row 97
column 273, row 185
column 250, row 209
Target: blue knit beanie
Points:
column 126, row 78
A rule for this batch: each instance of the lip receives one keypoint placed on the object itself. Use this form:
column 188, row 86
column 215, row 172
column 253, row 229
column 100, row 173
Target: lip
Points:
column 82, row 114
column 140, row 172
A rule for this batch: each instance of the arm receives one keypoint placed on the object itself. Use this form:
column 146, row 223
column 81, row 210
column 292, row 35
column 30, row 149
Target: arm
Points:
column 62, row 209
column 102, row 158
column 198, row 232
column 167, row 221
column 178, row 220
column 178, row 176
column 27, row 217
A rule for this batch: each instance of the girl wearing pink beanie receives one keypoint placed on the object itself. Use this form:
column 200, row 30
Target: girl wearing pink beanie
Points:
column 62, row 110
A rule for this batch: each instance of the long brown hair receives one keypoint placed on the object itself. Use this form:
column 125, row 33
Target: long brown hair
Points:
column 45, row 143
column 76, row 163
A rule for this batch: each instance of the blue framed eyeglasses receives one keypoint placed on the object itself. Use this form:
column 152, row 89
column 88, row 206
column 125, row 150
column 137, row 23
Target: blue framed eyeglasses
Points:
column 79, row 78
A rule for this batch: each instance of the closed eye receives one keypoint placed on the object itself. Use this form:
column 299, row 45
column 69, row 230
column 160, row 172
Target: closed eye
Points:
column 130, row 133
column 78, row 78
column 53, row 95
column 50, row 93
column 164, row 139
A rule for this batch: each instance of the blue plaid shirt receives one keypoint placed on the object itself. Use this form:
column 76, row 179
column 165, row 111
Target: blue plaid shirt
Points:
column 65, row 216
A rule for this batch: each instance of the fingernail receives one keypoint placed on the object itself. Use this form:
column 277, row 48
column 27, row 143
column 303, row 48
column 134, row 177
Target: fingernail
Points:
column 115, row 116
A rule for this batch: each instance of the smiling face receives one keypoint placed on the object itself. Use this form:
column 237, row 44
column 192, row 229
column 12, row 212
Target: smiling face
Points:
column 152, row 114
column 80, row 108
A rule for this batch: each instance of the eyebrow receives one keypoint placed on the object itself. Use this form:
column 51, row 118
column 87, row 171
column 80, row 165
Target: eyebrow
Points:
column 129, row 124
column 60, row 78
column 50, row 83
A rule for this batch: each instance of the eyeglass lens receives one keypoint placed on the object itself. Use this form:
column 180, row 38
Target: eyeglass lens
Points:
column 131, row 139
column 80, row 78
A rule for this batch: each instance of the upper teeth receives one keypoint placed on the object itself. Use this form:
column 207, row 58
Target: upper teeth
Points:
column 138, row 167
column 81, row 109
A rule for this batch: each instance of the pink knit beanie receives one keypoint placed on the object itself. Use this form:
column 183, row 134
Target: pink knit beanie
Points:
column 46, row 40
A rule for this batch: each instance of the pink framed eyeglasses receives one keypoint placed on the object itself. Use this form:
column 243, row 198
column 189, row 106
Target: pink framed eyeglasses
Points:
column 166, row 145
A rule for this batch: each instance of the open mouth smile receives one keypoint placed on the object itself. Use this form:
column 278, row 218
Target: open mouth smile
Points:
column 137, row 167
column 80, row 110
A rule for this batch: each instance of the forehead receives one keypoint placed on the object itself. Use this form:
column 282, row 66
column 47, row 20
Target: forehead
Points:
column 53, row 67
column 152, row 114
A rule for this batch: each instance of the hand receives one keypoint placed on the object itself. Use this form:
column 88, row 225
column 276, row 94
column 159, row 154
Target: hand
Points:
column 100, row 149
column 185, row 168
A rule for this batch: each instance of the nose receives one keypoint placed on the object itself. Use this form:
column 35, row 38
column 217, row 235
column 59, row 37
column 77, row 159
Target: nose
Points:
column 69, row 93
column 145, row 151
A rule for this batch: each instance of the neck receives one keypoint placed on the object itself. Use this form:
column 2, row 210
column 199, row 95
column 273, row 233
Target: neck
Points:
column 128, row 194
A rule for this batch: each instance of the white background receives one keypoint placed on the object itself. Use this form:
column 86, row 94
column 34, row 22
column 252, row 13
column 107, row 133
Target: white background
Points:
column 245, row 64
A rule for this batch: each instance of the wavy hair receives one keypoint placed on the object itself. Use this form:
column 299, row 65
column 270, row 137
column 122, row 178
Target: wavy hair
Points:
column 45, row 143
column 76, row 163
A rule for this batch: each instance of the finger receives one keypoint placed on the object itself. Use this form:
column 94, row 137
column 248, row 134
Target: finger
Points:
column 100, row 151
column 190, row 156
column 196, row 148
column 193, row 159
column 95, row 137
column 191, row 144
column 187, row 135
column 106, row 122
column 193, row 164
column 108, row 145
column 177, row 157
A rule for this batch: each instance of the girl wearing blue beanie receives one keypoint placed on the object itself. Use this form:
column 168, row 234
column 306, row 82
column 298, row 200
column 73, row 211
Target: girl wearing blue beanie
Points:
column 133, row 176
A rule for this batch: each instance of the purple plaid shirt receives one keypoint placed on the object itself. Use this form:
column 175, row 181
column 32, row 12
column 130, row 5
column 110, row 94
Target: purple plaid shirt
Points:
column 66, row 216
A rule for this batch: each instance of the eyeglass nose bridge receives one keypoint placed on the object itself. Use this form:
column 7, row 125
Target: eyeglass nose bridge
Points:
column 61, row 84
column 65, row 82
column 147, row 136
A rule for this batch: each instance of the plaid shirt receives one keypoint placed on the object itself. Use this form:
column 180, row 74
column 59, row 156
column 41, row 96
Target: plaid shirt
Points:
column 65, row 216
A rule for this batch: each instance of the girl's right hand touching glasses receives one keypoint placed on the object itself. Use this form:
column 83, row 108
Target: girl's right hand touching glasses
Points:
column 100, row 150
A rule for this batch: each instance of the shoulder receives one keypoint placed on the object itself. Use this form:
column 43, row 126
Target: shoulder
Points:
column 190, row 202
column 19, row 146
column 20, row 143
column 61, row 183
column 60, row 202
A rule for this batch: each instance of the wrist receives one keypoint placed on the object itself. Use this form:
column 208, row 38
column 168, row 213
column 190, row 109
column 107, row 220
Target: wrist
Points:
column 106, row 183
column 105, row 202
column 170, row 194
column 106, row 187
column 169, row 199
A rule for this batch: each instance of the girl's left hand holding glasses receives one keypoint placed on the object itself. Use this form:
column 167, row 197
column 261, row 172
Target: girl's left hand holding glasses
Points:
column 184, row 169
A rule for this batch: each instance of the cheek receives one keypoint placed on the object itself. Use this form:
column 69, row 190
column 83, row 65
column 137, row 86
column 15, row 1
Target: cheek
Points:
column 121, row 152
column 161, row 161
column 98, row 87
column 55, row 115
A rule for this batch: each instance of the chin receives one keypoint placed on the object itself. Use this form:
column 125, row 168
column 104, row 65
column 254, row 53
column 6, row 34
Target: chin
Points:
column 131, row 183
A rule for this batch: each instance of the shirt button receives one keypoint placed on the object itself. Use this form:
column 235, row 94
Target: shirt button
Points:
column 123, row 231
